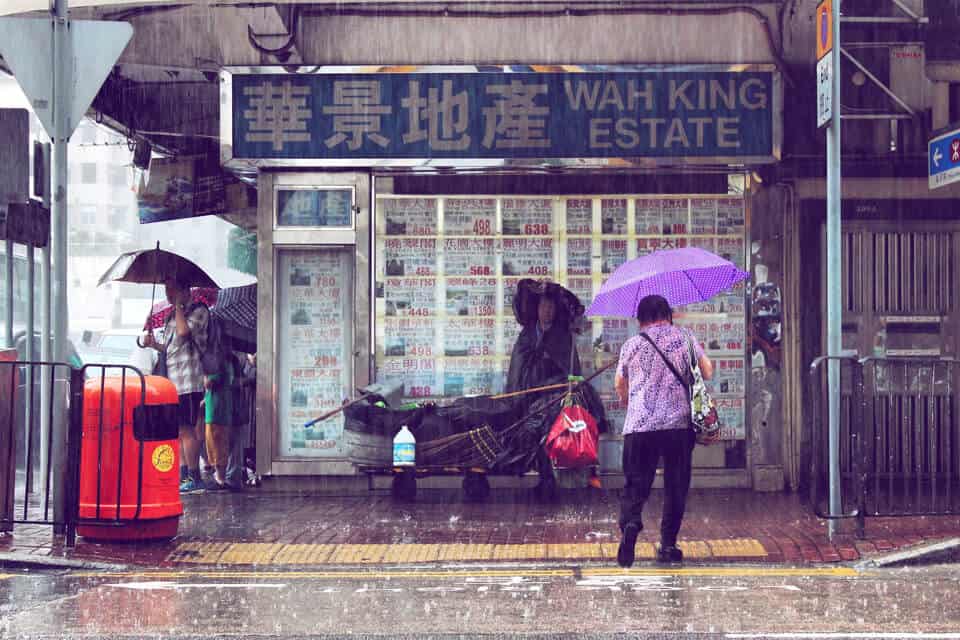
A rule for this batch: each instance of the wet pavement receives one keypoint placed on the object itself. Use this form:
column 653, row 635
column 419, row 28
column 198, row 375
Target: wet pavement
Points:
column 543, row 599
column 284, row 530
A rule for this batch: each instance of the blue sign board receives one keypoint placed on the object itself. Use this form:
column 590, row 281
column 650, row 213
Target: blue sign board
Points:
column 943, row 159
column 702, row 114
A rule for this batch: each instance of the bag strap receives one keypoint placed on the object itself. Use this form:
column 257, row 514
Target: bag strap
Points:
column 694, row 365
column 669, row 364
column 187, row 313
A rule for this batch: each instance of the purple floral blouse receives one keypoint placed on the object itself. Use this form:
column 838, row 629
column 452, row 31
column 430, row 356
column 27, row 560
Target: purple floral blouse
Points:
column 657, row 401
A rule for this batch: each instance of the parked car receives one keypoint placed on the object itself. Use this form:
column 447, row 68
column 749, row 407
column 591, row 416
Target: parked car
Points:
column 111, row 347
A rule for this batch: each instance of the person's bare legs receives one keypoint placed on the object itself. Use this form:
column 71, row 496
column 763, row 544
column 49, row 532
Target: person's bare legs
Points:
column 190, row 445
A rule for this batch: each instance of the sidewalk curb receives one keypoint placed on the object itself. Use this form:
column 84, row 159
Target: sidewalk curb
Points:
column 932, row 553
column 30, row 561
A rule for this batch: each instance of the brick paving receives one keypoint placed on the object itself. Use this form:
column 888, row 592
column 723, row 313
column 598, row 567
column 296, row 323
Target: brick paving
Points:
column 782, row 523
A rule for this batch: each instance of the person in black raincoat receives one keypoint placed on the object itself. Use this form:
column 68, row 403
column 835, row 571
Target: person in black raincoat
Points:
column 545, row 353
column 544, row 350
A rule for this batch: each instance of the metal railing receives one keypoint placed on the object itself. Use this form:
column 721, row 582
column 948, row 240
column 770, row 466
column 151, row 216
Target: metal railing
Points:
column 899, row 446
column 21, row 438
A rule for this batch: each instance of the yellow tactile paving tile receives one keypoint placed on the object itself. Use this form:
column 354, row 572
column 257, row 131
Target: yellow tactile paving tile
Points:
column 198, row 552
column 737, row 548
column 576, row 551
column 250, row 553
column 407, row 553
column 520, row 552
column 694, row 549
column 304, row 554
column 464, row 552
column 358, row 554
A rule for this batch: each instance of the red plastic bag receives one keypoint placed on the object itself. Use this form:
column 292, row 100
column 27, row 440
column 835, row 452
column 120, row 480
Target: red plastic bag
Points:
column 572, row 441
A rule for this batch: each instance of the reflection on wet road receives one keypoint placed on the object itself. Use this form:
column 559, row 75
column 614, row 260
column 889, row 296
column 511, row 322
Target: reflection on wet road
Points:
column 481, row 600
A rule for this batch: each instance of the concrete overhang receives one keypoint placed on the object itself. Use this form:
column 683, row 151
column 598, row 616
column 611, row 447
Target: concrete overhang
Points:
column 165, row 85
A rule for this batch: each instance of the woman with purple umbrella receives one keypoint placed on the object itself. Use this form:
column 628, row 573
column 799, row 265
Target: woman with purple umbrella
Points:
column 651, row 380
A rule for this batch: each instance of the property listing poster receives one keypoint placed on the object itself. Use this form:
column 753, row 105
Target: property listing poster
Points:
column 410, row 297
column 470, row 256
column 648, row 217
column 470, row 216
column 579, row 216
column 528, row 257
column 410, row 216
column 528, row 217
column 410, row 256
column 417, row 376
column 446, row 285
column 613, row 216
column 410, row 337
column 315, row 321
column 579, row 256
column 471, row 296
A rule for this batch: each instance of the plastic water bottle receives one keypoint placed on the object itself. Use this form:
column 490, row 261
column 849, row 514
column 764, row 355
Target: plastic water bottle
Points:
column 404, row 448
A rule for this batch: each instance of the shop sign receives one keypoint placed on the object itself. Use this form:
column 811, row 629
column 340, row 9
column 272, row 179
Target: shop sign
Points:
column 177, row 188
column 706, row 114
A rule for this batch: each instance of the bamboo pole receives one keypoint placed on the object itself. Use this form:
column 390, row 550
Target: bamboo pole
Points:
column 502, row 396
column 552, row 387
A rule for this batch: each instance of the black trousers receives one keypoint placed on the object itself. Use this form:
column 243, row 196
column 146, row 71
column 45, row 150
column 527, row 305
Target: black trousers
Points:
column 641, row 453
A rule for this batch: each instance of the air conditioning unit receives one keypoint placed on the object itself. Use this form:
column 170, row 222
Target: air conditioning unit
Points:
column 941, row 39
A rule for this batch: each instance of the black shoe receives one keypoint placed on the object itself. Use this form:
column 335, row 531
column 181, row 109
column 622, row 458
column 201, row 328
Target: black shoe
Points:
column 627, row 548
column 213, row 485
column 669, row 555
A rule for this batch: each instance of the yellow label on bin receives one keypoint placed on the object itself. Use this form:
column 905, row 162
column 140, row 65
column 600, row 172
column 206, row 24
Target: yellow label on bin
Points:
column 162, row 458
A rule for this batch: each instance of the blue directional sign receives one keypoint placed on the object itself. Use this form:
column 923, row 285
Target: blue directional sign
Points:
column 943, row 158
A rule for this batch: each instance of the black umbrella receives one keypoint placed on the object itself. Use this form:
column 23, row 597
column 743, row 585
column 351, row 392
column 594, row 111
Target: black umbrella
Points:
column 153, row 266
column 529, row 291
column 236, row 307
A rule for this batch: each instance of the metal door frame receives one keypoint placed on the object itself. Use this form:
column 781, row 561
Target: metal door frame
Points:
column 272, row 239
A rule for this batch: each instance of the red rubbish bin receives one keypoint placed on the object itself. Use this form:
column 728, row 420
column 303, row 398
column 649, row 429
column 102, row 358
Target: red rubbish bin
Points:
column 139, row 454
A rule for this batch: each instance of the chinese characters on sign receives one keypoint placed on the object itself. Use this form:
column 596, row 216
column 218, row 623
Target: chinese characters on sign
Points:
column 669, row 113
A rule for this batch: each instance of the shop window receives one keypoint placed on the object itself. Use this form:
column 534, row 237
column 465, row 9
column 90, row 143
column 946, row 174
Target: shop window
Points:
column 315, row 208
column 447, row 268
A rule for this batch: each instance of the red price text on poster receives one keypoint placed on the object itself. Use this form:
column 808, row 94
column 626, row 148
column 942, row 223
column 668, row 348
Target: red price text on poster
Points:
column 483, row 227
column 536, row 229
column 481, row 270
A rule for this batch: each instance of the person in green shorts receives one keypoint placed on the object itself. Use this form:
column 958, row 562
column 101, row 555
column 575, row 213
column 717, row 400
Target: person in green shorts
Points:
column 218, row 403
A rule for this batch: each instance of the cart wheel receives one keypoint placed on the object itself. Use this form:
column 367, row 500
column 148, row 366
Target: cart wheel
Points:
column 546, row 490
column 404, row 487
column 476, row 487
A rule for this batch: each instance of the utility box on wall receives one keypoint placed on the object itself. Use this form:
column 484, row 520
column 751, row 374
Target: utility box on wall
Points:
column 941, row 39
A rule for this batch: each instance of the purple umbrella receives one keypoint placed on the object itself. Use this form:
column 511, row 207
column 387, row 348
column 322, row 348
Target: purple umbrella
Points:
column 682, row 276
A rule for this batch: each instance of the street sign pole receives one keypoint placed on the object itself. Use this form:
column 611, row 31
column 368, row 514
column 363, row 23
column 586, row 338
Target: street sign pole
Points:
column 60, row 69
column 46, row 342
column 62, row 81
column 834, row 283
